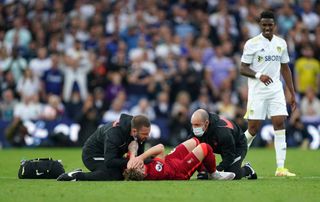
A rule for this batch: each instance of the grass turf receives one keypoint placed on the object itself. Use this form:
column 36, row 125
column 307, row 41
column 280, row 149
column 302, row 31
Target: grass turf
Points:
column 304, row 187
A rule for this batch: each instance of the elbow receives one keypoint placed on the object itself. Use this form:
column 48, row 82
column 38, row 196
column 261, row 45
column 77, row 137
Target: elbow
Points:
column 242, row 70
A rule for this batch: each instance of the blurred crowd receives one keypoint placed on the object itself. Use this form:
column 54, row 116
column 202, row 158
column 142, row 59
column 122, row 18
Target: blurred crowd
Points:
column 91, row 60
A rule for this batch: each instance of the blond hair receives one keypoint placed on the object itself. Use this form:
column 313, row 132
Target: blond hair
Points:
column 132, row 174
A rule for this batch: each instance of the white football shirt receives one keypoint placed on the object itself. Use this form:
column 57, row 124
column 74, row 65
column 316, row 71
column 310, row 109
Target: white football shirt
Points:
column 266, row 57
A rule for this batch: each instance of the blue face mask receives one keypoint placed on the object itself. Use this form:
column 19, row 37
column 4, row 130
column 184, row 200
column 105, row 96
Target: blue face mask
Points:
column 198, row 131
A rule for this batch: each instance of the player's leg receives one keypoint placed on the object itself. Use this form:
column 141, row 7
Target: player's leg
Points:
column 204, row 153
column 101, row 174
column 256, row 113
column 188, row 165
column 245, row 171
column 183, row 149
column 92, row 163
column 279, row 139
column 253, row 128
column 96, row 165
column 280, row 145
column 278, row 112
column 98, row 173
column 190, row 144
column 98, row 169
column 192, row 161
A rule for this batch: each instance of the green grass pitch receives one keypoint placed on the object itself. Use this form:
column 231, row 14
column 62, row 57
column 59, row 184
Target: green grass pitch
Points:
column 304, row 187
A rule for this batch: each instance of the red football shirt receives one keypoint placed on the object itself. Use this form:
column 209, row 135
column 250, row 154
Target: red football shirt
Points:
column 158, row 169
column 178, row 165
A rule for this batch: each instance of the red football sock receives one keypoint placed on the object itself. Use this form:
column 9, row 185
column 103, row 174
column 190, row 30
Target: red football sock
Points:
column 210, row 160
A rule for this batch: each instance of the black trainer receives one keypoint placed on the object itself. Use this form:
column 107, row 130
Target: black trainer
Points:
column 202, row 175
column 70, row 176
column 253, row 174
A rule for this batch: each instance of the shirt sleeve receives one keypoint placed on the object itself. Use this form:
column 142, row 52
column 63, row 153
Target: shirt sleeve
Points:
column 285, row 56
column 112, row 145
column 248, row 53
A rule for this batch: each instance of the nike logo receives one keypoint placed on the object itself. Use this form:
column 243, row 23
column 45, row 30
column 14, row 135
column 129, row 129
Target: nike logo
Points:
column 22, row 171
column 70, row 174
column 37, row 173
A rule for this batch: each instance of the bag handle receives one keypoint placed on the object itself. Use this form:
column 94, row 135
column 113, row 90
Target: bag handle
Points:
column 35, row 160
column 42, row 159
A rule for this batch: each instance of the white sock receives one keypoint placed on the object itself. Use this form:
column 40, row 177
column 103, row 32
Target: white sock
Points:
column 280, row 146
column 249, row 137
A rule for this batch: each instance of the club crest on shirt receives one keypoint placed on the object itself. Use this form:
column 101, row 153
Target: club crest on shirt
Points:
column 260, row 58
column 279, row 49
column 159, row 166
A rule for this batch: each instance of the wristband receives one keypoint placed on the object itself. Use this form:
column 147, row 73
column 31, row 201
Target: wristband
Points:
column 258, row 75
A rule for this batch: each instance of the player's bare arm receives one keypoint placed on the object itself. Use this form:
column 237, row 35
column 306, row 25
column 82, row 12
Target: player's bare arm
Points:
column 287, row 76
column 245, row 70
column 132, row 150
column 155, row 151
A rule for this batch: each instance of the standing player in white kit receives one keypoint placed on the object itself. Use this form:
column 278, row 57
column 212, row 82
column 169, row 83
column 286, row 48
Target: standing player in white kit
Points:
column 264, row 58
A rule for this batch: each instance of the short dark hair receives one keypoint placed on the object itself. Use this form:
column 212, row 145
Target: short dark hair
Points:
column 139, row 121
column 267, row 14
column 132, row 174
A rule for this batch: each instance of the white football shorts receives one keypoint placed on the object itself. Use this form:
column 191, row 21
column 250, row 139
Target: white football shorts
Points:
column 261, row 108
